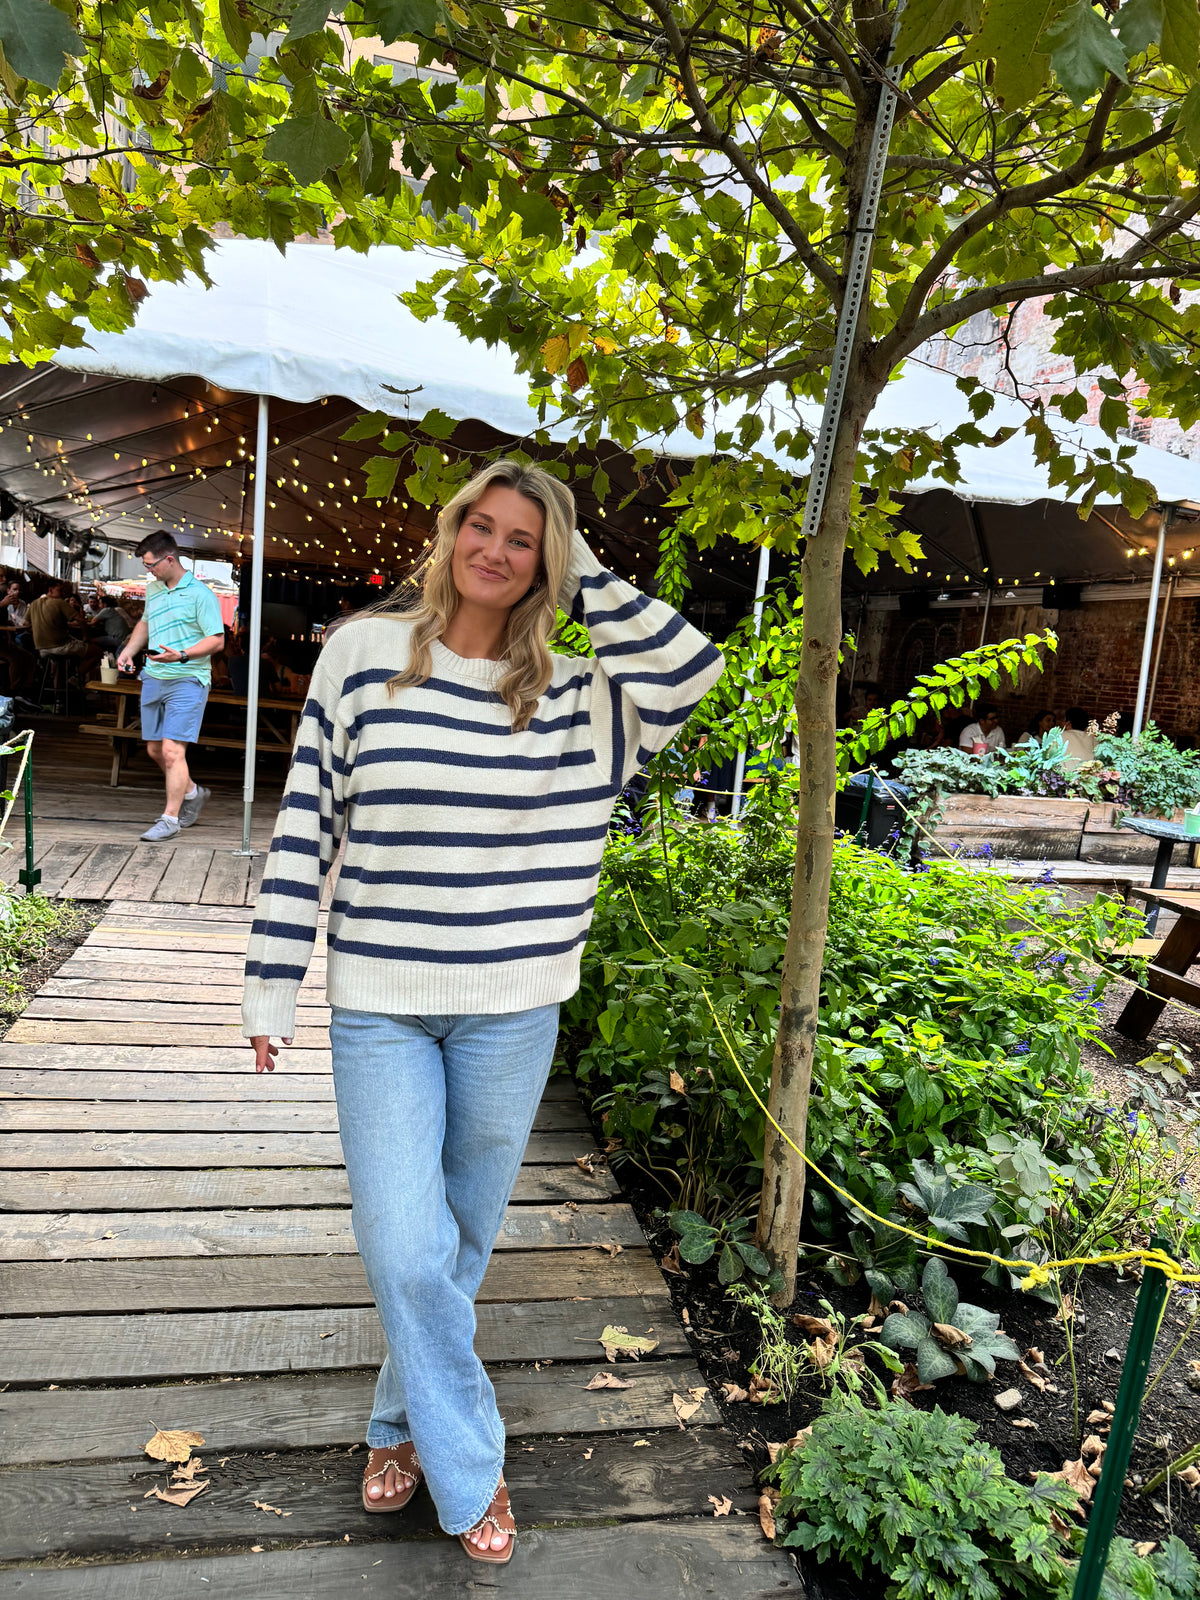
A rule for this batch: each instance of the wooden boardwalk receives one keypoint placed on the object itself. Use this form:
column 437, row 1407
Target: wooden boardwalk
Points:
column 176, row 1252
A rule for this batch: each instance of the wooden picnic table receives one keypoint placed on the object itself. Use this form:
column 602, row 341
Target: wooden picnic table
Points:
column 130, row 689
column 1168, row 834
column 1166, row 975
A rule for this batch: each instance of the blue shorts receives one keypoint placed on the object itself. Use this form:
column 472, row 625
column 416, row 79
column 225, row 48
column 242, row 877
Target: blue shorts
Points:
column 173, row 708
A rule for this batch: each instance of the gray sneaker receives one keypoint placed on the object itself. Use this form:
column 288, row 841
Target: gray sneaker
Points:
column 192, row 806
column 164, row 828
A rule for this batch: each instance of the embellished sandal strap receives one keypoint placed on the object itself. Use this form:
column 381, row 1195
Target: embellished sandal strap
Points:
column 499, row 1513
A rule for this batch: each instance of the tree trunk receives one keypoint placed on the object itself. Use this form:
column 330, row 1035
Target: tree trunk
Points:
column 791, row 1074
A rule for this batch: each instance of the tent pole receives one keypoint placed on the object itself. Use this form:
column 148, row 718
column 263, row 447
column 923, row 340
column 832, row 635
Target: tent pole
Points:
column 862, row 611
column 1139, row 713
column 1158, row 649
column 760, row 588
column 256, row 599
column 987, row 606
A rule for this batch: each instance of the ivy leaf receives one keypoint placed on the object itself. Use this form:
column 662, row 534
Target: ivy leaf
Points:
column 310, row 16
column 394, row 18
column 1083, row 52
column 437, row 424
column 235, row 27
column 381, row 477
column 308, row 146
column 37, row 39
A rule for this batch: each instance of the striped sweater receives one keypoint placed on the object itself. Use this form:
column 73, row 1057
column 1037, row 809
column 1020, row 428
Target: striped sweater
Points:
column 472, row 853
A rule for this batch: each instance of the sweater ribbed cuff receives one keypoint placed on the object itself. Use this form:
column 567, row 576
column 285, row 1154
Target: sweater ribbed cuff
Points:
column 269, row 1007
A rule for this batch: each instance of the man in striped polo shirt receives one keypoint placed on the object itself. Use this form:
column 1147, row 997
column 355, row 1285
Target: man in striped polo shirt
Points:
column 182, row 624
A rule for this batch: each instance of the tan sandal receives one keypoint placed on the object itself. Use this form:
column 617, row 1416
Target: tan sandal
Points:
column 498, row 1516
column 401, row 1457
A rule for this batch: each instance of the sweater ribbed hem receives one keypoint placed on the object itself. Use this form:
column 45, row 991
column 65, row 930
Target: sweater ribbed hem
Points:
column 423, row 989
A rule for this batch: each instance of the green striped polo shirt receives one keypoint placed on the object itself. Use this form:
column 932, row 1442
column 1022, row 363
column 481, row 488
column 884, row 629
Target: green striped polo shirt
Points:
column 179, row 618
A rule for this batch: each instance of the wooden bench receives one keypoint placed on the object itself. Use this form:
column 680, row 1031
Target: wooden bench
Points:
column 272, row 740
column 1166, row 976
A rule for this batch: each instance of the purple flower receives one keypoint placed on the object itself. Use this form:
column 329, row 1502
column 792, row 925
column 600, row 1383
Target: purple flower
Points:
column 1021, row 1049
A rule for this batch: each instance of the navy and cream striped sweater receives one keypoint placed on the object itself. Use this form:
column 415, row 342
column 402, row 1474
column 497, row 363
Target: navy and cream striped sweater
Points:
column 472, row 853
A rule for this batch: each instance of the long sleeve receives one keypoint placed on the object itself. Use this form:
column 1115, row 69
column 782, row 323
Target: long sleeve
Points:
column 306, row 841
column 653, row 665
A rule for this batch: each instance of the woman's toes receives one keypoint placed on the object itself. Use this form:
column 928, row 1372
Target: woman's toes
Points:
column 374, row 1490
column 499, row 1539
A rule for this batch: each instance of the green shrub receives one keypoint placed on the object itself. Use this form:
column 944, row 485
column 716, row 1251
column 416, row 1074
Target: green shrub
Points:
column 910, row 1502
column 1172, row 1573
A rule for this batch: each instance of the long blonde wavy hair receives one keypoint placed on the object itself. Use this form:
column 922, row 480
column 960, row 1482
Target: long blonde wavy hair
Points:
column 530, row 622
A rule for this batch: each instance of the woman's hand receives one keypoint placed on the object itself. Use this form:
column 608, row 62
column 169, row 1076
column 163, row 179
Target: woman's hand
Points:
column 265, row 1052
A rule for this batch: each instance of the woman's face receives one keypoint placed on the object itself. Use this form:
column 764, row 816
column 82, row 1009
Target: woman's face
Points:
column 1045, row 723
column 498, row 553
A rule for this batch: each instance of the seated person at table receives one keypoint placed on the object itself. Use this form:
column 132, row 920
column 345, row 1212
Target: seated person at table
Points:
column 985, row 734
column 1039, row 727
column 1081, row 745
column 56, row 622
column 110, row 627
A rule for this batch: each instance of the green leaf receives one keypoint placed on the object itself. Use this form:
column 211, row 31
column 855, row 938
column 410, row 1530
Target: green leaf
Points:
column 729, row 1269
column 754, row 1258
column 1140, row 24
column 938, row 1291
column 1083, row 52
column 933, row 1362
column 393, row 19
column 310, row 16
column 381, row 477
column 607, row 1023
column 697, row 1250
column 927, row 22
column 1072, row 405
column 437, row 424
column 235, row 27
column 1180, row 42
column 210, row 133
column 1011, row 35
column 84, row 201
column 688, row 1222
column 904, row 1332
column 537, row 214
column 308, row 146
column 37, row 39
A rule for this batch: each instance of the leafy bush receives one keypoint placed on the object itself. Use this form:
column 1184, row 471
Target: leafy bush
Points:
column 907, row 1500
column 699, row 1241
column 954, row 1337
column 1155, row 777
column 1172, row 1573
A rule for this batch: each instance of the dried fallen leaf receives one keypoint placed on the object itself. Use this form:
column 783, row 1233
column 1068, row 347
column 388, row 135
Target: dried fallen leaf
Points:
column 1076, row 1476
column 814, row 1327
column 677, row 1083
column 735, row 1393
column 823, row 1351
column 587, row 1454
column 907, row 1382
column 188, row 1471
column 1144, row 1548
column 1035, row 1357
column 641, row 1444
column 874, row 1310
column 764, row 1390
column 1189, row 1475
column 685, row 1409
column 257, row 1549
column 263, row 1506
column 1066, row 1310
column 616, row 1339
column 949, row 1335
column 671, row 1263
column 177, row 1497
column 1035, row 1378
column 614, row 1250
column 586, row 1164
column 1093, row 1445
column 607, row 1380
column 796, row 1442
column 766, row 1513
column 1022, row 1422
column 172, row 1444
column 721, row 1507
column 1100, row 1418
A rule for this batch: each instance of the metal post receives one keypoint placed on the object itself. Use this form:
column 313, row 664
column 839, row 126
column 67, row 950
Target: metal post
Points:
column 987, row 606
column 1152, row 1297
column 1139, row 713
column 1158, row 648
column 760, row 589
column 30, row 875
column 256, row 599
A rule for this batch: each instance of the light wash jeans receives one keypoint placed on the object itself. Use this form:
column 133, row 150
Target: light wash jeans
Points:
column 435, row 1113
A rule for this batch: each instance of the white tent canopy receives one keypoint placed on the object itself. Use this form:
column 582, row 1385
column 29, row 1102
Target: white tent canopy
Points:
column 318, row 323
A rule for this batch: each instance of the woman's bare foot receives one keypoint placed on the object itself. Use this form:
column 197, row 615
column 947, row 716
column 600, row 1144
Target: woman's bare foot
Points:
column 493, row 1536
column 390, row 1477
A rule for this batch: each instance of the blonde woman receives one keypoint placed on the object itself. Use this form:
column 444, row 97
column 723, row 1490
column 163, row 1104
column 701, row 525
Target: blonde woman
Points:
column 471, row 774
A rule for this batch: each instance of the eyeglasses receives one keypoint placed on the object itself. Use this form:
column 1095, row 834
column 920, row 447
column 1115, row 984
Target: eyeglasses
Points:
column 154, row 561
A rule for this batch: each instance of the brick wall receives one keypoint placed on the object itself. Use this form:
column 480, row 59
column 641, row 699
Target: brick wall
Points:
column 1096, row 667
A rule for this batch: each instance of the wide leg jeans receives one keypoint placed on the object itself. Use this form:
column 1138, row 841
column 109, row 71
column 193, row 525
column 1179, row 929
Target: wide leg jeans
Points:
column 435, row 1113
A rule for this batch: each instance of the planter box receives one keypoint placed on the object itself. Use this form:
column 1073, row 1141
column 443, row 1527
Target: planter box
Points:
column 1015, row 825
column 1104, row 841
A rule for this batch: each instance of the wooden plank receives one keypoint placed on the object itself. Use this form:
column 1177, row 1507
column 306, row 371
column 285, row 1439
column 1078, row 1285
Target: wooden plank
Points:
column 164, row 1058
column 176, row 1150
column 101, row 1509
column 706, row 1560
column 248, row 1283
column 36, row 1031
column 248, row 1186
column 226, row 882
column 117, row 1235
column 298, row 1106
column 313, row 1014
column 194, row 1344
column 231, row 962
column 59, row 862
column 93, row 878
column 303, row 1413
column 257, row 867
column 196, row 1087
column 141, row 874
column 131, row 981
column 1172, row 984
column 185, row 874
column 134, row 908
column 12, row 861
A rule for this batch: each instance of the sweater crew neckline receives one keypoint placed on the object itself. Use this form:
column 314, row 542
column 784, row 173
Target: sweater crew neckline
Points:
column 467, row 669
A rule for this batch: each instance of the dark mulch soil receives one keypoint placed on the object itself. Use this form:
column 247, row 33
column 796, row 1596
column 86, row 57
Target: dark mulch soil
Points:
column 74, row 921
column 725, row 1340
